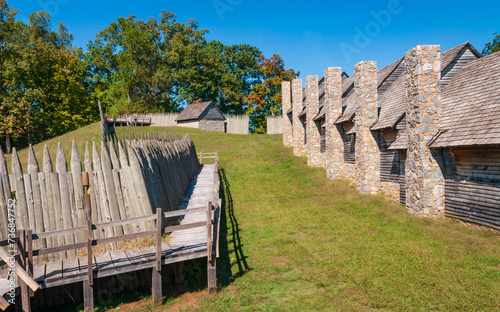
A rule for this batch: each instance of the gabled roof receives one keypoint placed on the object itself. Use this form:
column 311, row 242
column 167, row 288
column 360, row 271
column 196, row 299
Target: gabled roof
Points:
column 350, row 102
column 471, row 105
column 194, row 110
column 393, row 103
column 347, row 90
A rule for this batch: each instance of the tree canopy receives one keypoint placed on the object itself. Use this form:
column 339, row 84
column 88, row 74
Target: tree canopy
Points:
column 49, row 87
column 493, row 46
column 45, row 89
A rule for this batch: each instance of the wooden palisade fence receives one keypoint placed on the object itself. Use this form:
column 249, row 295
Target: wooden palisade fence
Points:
column 127, row 178
column 27, row 242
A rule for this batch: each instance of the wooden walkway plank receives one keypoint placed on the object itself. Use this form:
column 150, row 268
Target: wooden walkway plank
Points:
column 39, row 272
column 53, row 271
column 149, row 253
column 70, row 268
column 119, row 258
column 84, row 263
column 104, row 262
column 135, row 256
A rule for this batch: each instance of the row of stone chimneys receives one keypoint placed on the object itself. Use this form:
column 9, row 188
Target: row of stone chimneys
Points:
column 424, row 177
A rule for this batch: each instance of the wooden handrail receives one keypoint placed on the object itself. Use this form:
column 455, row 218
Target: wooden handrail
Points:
column 97, row 226
column 102, row 241
column 22, row 274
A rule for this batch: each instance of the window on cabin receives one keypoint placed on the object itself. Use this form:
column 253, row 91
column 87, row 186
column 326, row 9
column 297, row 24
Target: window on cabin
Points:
column 349, row 148
column 322, row 137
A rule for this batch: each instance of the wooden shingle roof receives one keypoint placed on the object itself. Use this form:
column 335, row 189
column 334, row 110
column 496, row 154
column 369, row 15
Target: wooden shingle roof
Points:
column 471, row 105
column 194, row 110
column 350, row 102
column 393, row 103
column 347, row 90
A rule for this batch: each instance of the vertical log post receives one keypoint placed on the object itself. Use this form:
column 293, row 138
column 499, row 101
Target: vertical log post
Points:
column 29, row 243
column 88, row 284
column 211, row 272
column 156, row 278
column 25, row 298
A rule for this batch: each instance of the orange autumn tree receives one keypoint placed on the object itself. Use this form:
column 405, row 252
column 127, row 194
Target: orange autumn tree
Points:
column 265, row 98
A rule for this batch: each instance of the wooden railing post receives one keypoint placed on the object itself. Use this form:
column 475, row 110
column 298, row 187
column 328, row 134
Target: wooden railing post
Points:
column 156, row 278
column 29, row 267
column 88, row 284
column 25, row 294
column 211, row 271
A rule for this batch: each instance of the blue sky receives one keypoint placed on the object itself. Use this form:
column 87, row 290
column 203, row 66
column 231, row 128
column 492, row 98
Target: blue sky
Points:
column 310, row 36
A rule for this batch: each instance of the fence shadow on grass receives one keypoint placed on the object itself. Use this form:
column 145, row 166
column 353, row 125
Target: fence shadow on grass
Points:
column 229, row 238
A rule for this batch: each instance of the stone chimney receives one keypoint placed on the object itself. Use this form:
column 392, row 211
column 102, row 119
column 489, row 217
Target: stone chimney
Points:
column 286, row 105
column 299, row 148
column 367, row 152
column 333, row 105
column 314, row 158
column 424, row 175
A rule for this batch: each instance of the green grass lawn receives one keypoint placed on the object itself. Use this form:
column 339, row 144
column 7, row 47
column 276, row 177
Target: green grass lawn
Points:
column 297, row 241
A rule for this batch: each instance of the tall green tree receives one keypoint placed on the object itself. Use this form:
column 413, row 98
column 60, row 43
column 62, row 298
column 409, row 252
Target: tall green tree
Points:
column 226, row 76
column 493, row 46
column 142, row 66
column 265, row 98
column 44, row 90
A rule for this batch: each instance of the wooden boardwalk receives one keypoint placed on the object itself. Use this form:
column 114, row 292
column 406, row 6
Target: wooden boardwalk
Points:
column 184, row 244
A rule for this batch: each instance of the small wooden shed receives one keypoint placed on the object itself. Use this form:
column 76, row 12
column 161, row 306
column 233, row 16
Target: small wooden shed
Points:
column 203, row 116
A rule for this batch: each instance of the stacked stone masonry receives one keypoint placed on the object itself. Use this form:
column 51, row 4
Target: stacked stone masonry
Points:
column 367, row 152
column 299, row 148
column 314, row 155
column 287, row 122
column 397, row 158
column 334, row 142
column 424, row 176
column 212, row 125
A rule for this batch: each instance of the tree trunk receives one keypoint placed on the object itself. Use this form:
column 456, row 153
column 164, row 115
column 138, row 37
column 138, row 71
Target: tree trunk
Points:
column 8, row 146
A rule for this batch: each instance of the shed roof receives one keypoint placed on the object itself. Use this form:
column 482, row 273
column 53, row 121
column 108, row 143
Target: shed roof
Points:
column 194, row 110
column 350, row 102
column 471, row 105
column 400, row 143
column 393, row 103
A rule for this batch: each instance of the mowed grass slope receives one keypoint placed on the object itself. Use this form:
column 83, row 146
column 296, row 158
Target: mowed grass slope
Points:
column 297, row 241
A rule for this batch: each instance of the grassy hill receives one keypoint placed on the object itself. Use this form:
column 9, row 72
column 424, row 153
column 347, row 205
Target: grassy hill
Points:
column 297, row 241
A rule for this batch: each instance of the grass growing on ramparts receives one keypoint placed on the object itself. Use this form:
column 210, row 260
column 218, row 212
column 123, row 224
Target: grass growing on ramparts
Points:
column 297, row 241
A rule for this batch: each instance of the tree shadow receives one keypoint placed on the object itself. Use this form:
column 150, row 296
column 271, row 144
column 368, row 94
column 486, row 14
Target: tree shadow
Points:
column 229, row 238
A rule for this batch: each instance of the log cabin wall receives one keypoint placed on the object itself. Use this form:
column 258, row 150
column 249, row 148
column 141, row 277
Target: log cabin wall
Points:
column 390, row 164
column 472, row 187
column 459, row 182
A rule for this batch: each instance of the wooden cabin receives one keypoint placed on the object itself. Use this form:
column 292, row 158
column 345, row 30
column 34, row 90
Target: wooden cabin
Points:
column 203, row 116
column 391, row 125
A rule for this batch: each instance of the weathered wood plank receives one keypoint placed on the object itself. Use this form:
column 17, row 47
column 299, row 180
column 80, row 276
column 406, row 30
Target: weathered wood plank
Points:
column 76, row 175
column 22, row 204
column 53, row 271
column 70, row 268
column 135, row 256
column 110, row 188
column 104, row 262
column 61, row 169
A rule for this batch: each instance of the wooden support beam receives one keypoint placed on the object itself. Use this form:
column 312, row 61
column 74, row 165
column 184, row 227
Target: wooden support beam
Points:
column 20, row 272
column 3, row 304
column 88, row 284
column 88, row 296
column 156, row 278
column 25, row 294
column 211, row 270
column 29, row 266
